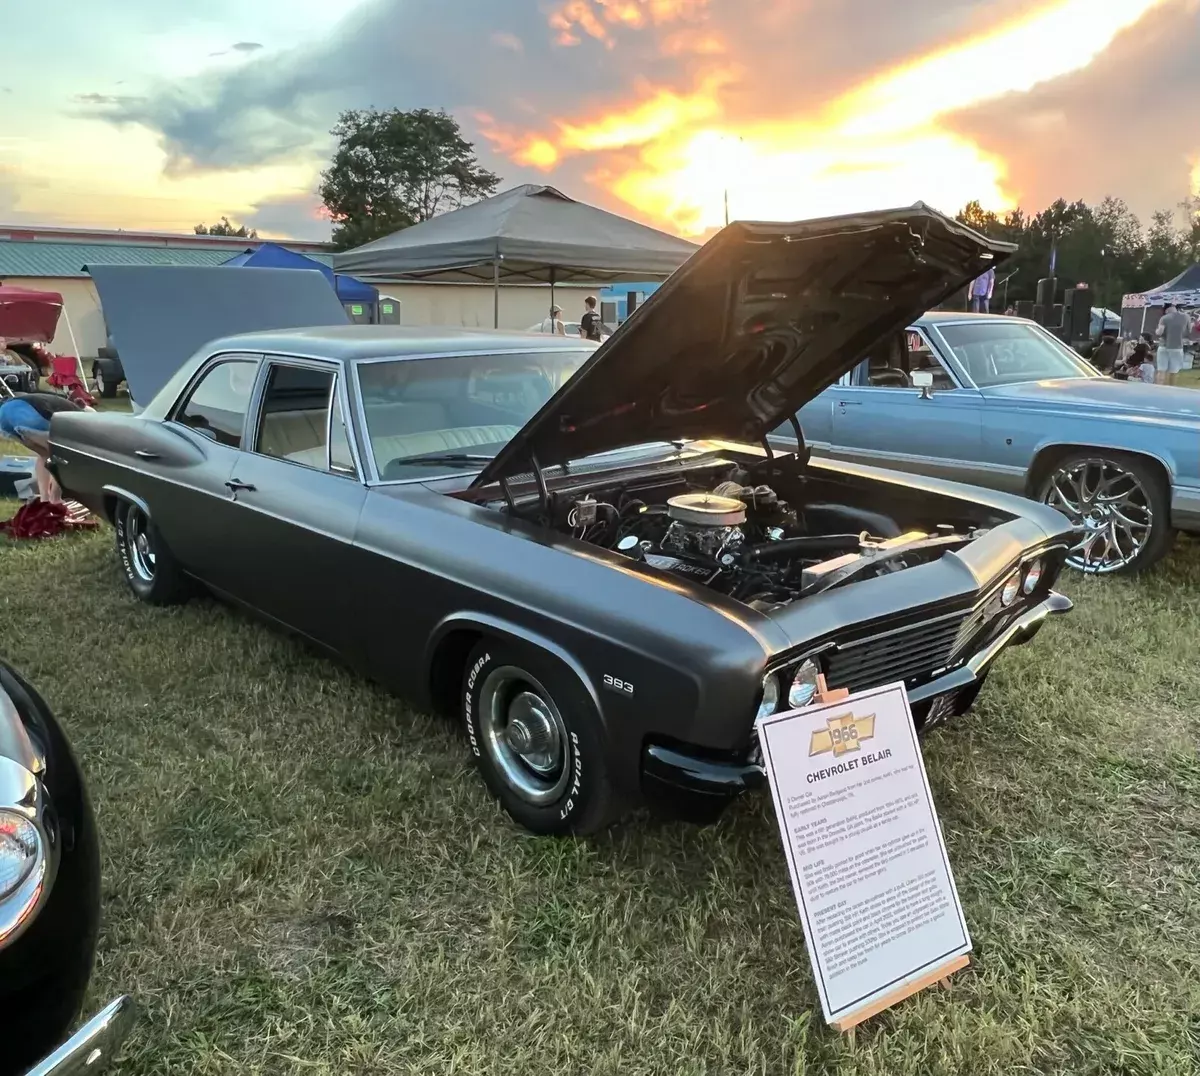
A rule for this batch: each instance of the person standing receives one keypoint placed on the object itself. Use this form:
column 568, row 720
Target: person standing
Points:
column 1169, row 360
column 554, row 323
column 26, row 418
column 981, row 292
column 589, row 324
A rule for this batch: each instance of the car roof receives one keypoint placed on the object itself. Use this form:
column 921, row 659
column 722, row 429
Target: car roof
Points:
column 946, row 317
column 353, row 342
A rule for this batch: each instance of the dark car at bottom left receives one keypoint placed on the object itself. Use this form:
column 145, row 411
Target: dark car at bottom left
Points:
column 49, row 897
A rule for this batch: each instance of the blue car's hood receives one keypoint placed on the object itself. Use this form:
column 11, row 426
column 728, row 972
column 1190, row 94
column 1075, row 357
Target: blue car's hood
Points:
column 1104, row 395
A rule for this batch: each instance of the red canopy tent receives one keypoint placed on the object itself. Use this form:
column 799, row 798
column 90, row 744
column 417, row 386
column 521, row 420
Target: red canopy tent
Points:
column 28, row 317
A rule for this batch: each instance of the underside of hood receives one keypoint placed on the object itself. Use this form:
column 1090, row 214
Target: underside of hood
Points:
column 754, row 325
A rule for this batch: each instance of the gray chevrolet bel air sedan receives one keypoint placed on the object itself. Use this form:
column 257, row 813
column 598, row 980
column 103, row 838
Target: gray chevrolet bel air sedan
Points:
column 998, row 401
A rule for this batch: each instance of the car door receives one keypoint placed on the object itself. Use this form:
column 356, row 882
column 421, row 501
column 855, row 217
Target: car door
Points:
column 299, row 492
column 882, row 418
column 185, row 464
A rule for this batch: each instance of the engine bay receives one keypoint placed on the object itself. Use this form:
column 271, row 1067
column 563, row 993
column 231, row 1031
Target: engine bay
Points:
column 759, row 542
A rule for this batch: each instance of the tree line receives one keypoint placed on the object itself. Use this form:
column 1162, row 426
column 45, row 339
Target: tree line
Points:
column 1105, row 246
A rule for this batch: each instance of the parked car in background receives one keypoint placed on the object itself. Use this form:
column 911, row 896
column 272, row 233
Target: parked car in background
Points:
column 590, row 554
column 570, row 329
column 49, row 896
column 107, row 371
column 1000, row 402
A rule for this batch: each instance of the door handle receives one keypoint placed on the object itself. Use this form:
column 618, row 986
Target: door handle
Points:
column 236, row 486
column 143, row 454
column 849, row 403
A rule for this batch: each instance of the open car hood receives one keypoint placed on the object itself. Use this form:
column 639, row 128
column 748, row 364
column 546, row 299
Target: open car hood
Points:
column 754, row 325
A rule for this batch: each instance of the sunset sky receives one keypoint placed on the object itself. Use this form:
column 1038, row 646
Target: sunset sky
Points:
column 137, row 114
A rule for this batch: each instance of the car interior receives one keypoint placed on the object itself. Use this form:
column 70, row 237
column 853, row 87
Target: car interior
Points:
column 892, row 364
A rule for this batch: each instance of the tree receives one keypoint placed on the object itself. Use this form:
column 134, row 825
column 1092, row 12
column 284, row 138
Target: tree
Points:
column 224, row 227
column 393, row 169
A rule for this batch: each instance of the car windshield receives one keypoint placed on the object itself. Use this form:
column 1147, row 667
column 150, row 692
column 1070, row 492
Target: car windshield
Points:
column 1008, row 352
column 458, row 411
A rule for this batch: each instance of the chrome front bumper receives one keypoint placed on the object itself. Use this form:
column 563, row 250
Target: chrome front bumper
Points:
column 1021, row 630
column 671, row 771
column 93, row 1046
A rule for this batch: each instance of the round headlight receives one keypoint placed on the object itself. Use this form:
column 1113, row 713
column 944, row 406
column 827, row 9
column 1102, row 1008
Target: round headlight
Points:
column 770, row 696
column 804, row 685
column 1011, row 587
column 1033, row 576
column 20, row 848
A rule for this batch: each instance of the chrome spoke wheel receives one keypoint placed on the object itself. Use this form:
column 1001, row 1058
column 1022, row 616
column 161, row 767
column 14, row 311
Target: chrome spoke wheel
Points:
column 141, row 549
column 1111, row 505
column 524, row 735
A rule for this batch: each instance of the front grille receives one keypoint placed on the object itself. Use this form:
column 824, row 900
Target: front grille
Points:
column 907, row 654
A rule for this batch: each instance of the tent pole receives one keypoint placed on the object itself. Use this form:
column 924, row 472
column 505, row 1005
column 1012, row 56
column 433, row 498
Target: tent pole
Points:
column 496, row 291
column 74, row 346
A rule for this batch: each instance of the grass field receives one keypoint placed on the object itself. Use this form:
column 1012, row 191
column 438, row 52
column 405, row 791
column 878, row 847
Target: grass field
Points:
column 303, row 876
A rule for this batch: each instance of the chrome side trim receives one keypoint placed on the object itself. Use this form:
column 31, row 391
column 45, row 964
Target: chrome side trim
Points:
column 93, row 1046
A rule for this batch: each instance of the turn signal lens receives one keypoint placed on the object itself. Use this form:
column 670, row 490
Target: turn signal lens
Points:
column 804, row 685
column 20, row 847
column 1033, row 576
column 1012, row 586
column 770, row 696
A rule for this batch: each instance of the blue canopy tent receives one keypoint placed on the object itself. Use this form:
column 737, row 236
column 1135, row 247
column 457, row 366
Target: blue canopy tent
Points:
column 350, row 292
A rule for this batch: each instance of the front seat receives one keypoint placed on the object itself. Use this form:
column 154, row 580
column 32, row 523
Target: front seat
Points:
column 880, row 374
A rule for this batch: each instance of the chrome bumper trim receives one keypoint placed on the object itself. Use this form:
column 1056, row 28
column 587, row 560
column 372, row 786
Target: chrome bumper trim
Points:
column 1021, row 630
column 93, row 1046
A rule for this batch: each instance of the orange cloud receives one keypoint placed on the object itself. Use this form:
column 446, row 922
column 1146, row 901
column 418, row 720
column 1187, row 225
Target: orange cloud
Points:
column 594, row 17
column 881, row 143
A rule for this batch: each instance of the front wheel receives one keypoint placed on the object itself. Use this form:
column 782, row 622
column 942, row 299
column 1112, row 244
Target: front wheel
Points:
column 150, row 569
column 1123, row 505
column 537, row 741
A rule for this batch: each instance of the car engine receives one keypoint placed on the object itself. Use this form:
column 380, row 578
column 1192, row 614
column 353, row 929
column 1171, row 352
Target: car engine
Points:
column 746, row 541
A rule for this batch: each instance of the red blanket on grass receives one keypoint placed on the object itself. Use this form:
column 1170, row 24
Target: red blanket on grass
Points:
column 40, row 519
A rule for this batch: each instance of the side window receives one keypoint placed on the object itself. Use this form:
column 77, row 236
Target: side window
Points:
column 302, row 419
column 217, row 405
column 922, row 357
column 294, row 424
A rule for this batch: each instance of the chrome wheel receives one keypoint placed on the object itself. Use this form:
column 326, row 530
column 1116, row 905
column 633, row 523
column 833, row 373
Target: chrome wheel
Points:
column 524, row 735
column 1111, row 505
column 98, row 377
column 141, row 548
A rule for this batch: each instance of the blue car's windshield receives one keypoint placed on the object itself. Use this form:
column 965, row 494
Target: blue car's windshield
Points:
column 998, row 352
column 457, row 411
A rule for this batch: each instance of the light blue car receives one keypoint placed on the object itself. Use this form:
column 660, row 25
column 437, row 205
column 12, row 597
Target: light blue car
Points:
column 997, row 401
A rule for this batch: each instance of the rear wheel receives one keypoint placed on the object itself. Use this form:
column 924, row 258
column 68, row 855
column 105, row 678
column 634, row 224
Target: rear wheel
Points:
column 537, row 740
column 150, row 569
column 1121, row 502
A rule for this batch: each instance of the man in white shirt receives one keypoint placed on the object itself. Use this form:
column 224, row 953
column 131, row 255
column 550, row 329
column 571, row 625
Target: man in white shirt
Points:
column 554, row 323
column 1170, row 357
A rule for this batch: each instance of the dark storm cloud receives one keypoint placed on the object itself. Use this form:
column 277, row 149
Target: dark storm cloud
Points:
column 501, row 59
column 1125, row 125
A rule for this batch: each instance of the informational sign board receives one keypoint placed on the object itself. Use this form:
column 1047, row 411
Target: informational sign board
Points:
column 864, row 847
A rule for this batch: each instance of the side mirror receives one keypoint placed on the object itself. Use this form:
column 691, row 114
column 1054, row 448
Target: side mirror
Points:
column 923, row 380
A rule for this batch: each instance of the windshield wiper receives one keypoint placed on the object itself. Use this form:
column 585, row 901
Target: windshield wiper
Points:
column 444, row 457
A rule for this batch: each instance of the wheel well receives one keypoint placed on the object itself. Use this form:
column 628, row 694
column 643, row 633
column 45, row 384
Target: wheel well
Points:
column 111, row 500
column 446, row 669
column 1052, row 454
